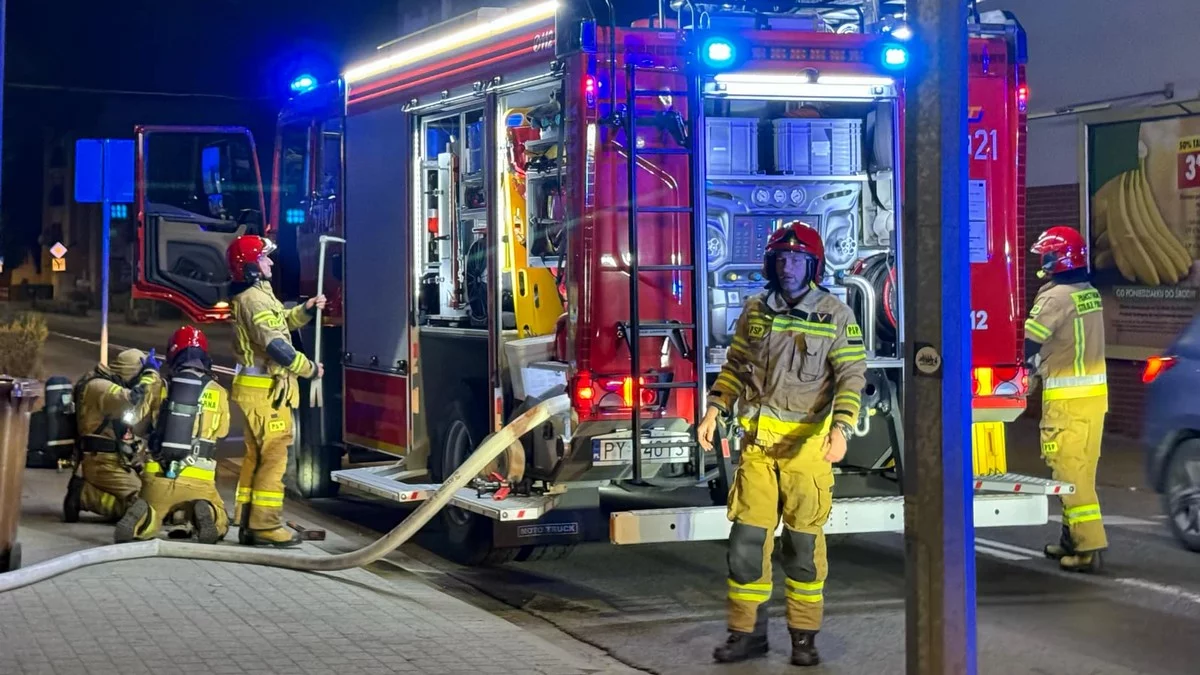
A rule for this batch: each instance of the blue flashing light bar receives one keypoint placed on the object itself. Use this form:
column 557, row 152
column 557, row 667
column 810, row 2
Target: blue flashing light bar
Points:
column 304, row 83
column 294, row 216
column 718, row 52
column 895, row 57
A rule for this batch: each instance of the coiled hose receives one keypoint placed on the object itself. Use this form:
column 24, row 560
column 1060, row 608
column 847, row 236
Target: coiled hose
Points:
column 159, row 548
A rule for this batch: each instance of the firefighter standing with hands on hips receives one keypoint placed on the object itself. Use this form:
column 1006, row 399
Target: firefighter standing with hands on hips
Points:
column 191, row 416
column 794, row 377
column 1064, row 344
column 266, row 388
column 112, row 402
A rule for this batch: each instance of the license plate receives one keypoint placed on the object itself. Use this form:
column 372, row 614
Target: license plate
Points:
column 612, row 451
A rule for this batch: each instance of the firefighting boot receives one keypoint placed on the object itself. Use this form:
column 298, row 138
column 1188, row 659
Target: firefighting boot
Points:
column 204, row 518
column 1087, row 561
column 244, row 537
column 1063, row 548
column 804, row 648
column 132, row 523
column 73, row 502
column 741, row 646
column 279, row 537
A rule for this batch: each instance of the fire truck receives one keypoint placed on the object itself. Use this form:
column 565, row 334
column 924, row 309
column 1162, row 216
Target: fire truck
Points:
column 537, row 200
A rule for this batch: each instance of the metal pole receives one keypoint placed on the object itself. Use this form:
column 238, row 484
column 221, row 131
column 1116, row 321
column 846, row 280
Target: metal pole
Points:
column 939, row 530
column 3, row 43
column 105, row 243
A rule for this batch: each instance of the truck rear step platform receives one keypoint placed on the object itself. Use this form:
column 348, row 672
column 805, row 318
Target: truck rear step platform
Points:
column 859, row 515
column 386, row 482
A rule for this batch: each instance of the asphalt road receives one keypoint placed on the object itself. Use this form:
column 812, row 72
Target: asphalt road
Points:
column 660, row 607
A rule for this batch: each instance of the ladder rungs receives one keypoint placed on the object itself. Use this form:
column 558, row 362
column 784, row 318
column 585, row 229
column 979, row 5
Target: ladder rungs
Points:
column 665, row 92
column 666, row 268
column 644, row 328
column 664, row 209
column 670, row 385
column 663, row 151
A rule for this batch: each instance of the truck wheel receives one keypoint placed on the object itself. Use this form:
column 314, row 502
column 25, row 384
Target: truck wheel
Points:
column 544, row 552
column 309, row 462
column 468, row 536
column 1181, row 498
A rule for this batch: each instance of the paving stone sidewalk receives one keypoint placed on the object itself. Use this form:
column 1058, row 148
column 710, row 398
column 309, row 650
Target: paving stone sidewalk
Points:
column 192, row 618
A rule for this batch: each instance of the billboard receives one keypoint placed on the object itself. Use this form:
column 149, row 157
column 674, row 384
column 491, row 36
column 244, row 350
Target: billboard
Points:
column 1142, row 210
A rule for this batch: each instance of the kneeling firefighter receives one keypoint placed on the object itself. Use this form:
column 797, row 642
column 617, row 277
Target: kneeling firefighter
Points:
column 181, row 474
column 794, row 376
column 266, row 388
column 110, row 403
column 1064, row 344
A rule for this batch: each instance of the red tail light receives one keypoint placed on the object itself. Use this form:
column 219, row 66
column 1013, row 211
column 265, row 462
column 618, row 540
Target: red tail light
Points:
column 1155, row 366
column 610, row 394
column 648, row 396
column 1022, row 97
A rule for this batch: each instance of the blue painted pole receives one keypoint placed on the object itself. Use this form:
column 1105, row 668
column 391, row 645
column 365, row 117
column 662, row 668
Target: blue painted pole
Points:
column 105, row 256
column 939, row 527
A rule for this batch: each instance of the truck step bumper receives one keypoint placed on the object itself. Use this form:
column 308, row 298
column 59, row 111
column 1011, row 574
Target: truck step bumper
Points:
column 387, row 482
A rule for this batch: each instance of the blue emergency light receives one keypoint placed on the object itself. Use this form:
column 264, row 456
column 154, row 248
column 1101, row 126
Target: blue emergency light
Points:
column 894, row 57
column 718, row 52
column 304, row 83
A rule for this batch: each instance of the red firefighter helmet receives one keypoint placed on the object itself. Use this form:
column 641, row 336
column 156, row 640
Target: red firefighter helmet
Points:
column 1061, row 249
column 798, row 237
column 185, row 337
column 243, row 255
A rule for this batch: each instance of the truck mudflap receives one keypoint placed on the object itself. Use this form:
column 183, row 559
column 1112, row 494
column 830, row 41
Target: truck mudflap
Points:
column 388, row 482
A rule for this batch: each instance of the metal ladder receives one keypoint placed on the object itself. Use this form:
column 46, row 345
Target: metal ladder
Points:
column 636, row 328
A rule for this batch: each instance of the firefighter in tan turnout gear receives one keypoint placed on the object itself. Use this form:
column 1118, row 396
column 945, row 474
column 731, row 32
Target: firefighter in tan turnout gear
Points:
column 266, row 388
column 179, row 482
column 1064, row 343
column 112, row 403
column 794, row 377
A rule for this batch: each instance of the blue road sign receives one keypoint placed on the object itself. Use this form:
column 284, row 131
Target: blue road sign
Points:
column 103, row 170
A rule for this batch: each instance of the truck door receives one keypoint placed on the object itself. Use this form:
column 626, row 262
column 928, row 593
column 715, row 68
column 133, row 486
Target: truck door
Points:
column 198, row 188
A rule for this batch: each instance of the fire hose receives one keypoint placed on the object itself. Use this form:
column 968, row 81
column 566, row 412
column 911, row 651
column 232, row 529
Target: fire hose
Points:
column 159, row 548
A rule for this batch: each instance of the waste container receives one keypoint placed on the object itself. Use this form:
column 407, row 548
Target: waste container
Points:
column 17, row 399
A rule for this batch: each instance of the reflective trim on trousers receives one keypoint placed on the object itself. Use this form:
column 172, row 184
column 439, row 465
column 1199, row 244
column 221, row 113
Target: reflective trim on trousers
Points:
column 805, row 591
column 756, row 593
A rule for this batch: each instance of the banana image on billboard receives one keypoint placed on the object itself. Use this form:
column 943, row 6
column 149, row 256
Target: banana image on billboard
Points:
column 1129, row 233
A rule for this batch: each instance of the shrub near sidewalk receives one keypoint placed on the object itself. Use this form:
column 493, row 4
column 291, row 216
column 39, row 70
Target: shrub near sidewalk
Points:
column 22, row 339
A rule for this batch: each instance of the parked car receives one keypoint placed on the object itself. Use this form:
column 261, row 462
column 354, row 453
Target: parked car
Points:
column 1171, row 432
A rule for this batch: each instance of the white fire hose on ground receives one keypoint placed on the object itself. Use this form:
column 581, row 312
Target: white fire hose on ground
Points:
column 160, row 548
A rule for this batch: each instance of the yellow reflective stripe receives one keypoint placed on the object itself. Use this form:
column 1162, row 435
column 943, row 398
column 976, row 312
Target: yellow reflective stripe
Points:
column 115, row 389
column 1060, row 382
column 198, row 473
column 268, row 499
column 268, row 318
column 153, row 467
column 739, row 345
column 1037, row 330
column 1066, row 393
column 788, row 325
column 1084, row 513
column 1080, row 342
column 107, row 501
column 756, row 593
column 848, row 355
column 298, row 364
column 812, row 591
column 256, row 381
column 729, row 382
column 848, row 397
column 243, row 495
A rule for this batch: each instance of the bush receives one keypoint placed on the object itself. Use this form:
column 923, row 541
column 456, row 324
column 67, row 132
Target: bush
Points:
column 22, row 339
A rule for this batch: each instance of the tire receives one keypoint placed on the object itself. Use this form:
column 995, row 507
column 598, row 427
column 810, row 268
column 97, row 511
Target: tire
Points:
column 1181, row 494
column 310, row 463
column 468, row 537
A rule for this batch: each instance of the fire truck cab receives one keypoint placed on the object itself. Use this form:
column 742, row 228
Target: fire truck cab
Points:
column 537, row 201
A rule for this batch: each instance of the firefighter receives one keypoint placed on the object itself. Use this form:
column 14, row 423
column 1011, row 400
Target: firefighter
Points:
column 794, row 377
column 181, row 474
column 266, row 388
column 1064, row 344
column 111, row 402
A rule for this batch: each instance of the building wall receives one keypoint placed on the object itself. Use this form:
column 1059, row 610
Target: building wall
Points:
column 1083, row 51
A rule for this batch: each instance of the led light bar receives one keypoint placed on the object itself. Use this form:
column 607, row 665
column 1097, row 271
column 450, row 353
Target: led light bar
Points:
column 800, row 86
column 868, row 80
column 477, row 33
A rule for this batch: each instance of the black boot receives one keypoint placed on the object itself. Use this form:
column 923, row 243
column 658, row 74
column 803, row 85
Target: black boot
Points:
column 73, row 502
column 804, row 648
column 1087, row 562
column 127, row 527
column 245, row 538
column 741, row 646
column 204, row 518
column 1063, row 548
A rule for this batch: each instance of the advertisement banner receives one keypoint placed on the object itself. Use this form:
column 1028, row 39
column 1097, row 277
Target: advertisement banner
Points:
column 1143, row 190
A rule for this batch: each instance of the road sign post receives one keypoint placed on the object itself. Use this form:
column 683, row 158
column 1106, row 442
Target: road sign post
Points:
column 939, row 528
column 104, row 175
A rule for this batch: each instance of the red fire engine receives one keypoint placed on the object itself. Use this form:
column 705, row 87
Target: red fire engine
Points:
column 536, row 200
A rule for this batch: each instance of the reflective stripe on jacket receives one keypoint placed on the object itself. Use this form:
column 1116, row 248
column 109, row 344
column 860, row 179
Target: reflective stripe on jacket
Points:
column 1068, row 321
